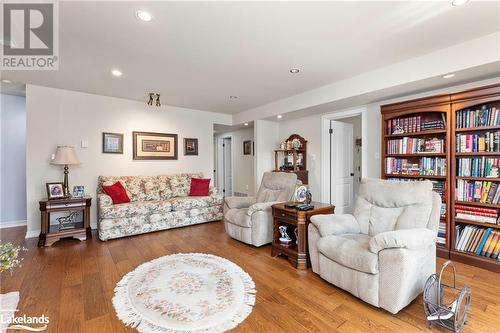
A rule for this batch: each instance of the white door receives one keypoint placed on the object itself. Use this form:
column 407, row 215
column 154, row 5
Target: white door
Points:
column 341, row 167
column 227, row 190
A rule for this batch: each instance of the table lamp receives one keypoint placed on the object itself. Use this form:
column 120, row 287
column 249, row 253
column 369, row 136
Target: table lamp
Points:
column 65, row 155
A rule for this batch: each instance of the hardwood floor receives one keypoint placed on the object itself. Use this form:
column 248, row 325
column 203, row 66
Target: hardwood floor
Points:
column 72, row 283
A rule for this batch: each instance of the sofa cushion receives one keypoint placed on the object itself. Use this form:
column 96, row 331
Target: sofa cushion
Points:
column 199, row 187
column 185, row 203
column 134, row 209
column 239, row 217
column 350, row 250
column 181, row 183
column 117, row 192
column 164, row 187
column 139, row 188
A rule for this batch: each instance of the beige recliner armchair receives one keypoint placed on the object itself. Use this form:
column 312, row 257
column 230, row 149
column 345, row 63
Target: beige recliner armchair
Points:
column 249, row 219
column 386, row 250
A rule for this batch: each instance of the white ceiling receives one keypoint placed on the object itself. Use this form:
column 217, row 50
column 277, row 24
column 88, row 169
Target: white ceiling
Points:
column 197, row 54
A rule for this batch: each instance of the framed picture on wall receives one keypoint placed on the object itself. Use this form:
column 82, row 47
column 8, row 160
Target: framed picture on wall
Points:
column 112, row 143
column 190, row 146
column 154, row 146
column 247, row 147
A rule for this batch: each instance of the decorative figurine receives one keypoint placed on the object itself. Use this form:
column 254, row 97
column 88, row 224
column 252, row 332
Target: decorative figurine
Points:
column 284, row 236
column 308, row 198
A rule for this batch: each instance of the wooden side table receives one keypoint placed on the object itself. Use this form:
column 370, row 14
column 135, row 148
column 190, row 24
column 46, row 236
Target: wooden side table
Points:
column 297, row 250
column 68, row 217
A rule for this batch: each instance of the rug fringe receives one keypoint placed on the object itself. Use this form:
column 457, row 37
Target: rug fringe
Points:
column 127, row 314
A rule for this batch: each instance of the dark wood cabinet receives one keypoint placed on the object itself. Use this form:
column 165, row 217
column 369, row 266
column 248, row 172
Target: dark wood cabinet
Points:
column 296, row 222
column 61, row 218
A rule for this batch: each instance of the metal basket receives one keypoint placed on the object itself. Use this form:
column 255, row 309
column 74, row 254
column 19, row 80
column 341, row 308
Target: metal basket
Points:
column 445, row 305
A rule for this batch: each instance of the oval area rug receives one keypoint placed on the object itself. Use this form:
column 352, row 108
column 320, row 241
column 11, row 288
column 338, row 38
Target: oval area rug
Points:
column 185, row 292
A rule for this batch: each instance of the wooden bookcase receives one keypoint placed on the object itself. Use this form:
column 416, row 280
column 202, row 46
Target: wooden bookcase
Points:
column 449, row 105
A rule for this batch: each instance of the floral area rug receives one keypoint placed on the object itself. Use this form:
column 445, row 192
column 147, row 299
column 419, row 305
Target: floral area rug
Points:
column 185, row 292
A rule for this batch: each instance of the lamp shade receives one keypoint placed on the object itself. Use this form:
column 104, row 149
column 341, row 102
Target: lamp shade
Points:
column 65, row 155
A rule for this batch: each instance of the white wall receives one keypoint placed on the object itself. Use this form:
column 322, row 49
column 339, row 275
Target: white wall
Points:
column 266, row 141
column 243, row 165
column 12, row 160
column 57, row 116
column 356, row 153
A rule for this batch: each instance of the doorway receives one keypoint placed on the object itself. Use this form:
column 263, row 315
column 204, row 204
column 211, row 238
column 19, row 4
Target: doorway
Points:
column 225, row 169
column 343, row 153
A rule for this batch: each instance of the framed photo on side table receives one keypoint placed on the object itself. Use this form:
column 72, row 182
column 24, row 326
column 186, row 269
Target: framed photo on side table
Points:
column 190, row 146
column 154, row 146
column 55, row 190
column 112, row 143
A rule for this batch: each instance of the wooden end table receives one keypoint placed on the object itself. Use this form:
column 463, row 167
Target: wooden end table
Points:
column 296, row 222
column 67, row 217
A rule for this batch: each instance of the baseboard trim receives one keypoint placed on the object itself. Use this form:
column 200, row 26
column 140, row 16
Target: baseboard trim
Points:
column 12, row 224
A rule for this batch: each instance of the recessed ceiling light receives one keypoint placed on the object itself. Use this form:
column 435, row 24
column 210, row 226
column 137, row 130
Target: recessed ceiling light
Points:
column 6, row 81
column 246, row 124
column 279, row 116
column 116, row 72
column 448, row 76
column 233, row 97
column 294, row 70
column 143, row 15
column 457, row 3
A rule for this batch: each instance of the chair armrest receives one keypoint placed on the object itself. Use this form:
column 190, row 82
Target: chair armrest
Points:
column 261, row 206
column 239, row 202
column 412, row 239
column 335, row 224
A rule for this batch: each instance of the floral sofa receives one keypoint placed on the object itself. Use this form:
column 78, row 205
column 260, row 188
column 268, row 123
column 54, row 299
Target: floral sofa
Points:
column 156, row 203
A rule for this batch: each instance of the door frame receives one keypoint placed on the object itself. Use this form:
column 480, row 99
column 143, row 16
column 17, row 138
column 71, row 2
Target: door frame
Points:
column 326, row 183
column 219, row 167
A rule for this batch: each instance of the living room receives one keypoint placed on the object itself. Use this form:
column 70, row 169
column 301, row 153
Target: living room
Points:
column 250, row 166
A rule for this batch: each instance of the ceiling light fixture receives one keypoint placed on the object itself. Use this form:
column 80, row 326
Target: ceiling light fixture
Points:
column 245, row 124
column 457, row 3
column 448, row 76
column 143, row 15
column 279, row 116
column 294, row 70
column 116, row 72
column 6, row 81
column 233, row 97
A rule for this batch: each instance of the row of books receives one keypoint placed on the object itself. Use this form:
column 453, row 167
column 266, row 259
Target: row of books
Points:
column 476, row 214
column 441, row 237
column 485, row 116
column 478, row 167
column 438, row 186
column 408, row 145
column 483, row 142
column 480, row 241
column 414, row 124
column 427, row 166
column 478, row 191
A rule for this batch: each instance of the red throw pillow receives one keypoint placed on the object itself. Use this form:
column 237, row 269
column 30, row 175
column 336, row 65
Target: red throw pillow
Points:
column 117, row 193
column 199, row 187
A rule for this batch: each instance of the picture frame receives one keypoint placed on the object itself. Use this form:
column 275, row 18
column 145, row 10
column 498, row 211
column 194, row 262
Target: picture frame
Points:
column 112, row 143
column 78, row 191
column 154, row 146
column 190, row 146
column 247, row 147
column 55, row 190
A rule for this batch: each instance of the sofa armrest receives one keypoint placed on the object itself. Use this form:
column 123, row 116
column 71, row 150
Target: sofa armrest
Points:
column 335, row 224
column 213, row 190
column 261, row 206
column 412, row 239
column 104, row 200
column 239, row 202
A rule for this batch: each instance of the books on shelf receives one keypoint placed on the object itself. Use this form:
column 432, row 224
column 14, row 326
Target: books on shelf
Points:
column 478, row 142
column 427, row 166
column 477, row 214
column 441, row 237
column 478, row 191
column 433, row 124
column 409, row 145
column 485, row 116
column 414, row 124
column 479, row 241
column 486, row 167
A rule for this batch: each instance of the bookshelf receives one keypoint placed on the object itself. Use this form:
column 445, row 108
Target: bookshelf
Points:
column 473, row 158
column 471, row 151
column 409, row 156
